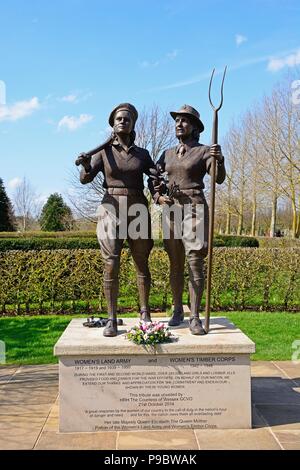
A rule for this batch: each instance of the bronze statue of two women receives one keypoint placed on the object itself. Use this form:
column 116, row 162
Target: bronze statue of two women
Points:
column 124, row 165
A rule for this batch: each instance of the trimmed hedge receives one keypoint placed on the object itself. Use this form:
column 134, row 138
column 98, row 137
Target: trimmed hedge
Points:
column 242, row 279
column 279, row 242
column 235, row 240
column 41, row 234
column 77, row 242
column 26, row 244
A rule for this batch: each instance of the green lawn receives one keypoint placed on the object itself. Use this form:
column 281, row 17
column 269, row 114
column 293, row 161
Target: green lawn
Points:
column 30, row 340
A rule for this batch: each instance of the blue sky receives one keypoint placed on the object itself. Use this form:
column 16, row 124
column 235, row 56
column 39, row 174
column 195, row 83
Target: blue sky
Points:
column 67, row 63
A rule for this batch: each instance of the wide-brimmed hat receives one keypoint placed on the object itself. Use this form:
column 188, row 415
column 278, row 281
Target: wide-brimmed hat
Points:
column 192, row 113
column 126, row 107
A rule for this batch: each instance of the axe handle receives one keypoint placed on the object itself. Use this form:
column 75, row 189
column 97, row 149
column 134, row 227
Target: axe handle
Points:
column 92, row 152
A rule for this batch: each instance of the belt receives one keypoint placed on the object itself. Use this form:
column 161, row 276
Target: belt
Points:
column 188, row 192
column 124, row 191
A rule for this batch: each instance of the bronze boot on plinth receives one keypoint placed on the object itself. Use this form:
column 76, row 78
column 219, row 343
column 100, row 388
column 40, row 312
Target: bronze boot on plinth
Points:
column 111, row 295
column 196, row 291
column 177, row 317
column 177, row 285
column 144, row 283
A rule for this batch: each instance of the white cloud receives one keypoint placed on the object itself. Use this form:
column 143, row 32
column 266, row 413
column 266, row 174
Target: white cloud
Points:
column 172, row 55
column 146, row 64
column 19, row 110
column 239, row 39
column 75, row 97
column 290, row 60
column 14, row 183
column 72, row 123
column 167, row 58
column 70, row 98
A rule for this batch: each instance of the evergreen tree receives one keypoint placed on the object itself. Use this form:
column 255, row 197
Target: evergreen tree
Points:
column 7, row 218
column 56, row 216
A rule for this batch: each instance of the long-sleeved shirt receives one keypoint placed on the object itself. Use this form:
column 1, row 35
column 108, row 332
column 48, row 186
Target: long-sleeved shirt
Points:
column 121, row 168
column 188, row 170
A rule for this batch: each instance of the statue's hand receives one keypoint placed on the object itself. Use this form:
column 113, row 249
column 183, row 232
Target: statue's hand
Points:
column 159, row 187
column 85, row 160
column 164, row 200
column 216, row 152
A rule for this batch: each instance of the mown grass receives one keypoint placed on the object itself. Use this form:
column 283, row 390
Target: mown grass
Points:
column 30, row 340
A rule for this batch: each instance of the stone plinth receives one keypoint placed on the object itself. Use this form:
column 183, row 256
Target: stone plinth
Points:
column 199, row 382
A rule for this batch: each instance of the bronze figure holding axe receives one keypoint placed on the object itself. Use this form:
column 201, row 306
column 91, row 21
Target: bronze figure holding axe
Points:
column 123, row 165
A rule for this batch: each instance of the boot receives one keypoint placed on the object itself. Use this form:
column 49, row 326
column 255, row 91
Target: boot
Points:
column 177, row 285
column 196, row 291
column 177, row 317
column 145, row 314
column 111, row 295
column 111, row 328
column 196, row 327
column 144, row 283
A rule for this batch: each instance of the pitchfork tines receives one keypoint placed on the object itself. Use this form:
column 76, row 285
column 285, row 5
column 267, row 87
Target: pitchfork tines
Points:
column 222, row 86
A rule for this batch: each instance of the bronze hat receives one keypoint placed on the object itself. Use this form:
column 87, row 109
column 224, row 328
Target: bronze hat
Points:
column 126, row 107
column 191, row 112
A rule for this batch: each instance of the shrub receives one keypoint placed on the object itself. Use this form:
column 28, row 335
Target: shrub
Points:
column 238, row 241
column 87, row 239
column 36, row 281
column 40, row 234
column 280, row 242
column 26, row 244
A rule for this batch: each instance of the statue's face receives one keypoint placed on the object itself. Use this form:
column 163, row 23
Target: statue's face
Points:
column 123, row 122
column 183, row 127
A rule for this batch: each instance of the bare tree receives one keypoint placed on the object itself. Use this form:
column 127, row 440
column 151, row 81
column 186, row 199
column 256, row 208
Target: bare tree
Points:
column 280, row 138
column 236, row 151
column 85, row 198
column 27, row 204
column 155, row 131
column 264, row 164
column 252, row 128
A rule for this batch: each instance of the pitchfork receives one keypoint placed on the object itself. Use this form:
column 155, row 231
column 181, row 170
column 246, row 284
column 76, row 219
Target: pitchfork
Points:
column 212, row 199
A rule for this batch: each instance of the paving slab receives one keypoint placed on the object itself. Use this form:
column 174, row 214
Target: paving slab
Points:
column 290, row 440
column 274, row 390
column 21, row 431
column 50, row 440
column 281, row 417
column 21, row 409
column 292, row 369
column 157, row 440
column 237, row 439
column 39, row 374
column 52, row 423
column 265, row 369
column 257, row 419
column 27, row 393
column 6, row 373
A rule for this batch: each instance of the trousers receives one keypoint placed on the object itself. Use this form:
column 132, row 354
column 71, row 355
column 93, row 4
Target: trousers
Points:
column 116, row 223
column 186, row 238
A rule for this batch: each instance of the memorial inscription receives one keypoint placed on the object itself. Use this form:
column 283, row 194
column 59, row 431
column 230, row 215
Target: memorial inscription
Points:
column 164, row 392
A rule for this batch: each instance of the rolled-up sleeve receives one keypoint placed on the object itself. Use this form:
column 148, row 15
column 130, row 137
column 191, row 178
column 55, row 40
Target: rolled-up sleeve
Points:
column 96, row 166
column 220, row 166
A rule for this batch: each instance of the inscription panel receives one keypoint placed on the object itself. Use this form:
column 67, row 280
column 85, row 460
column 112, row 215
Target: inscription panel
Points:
column 154, row 392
